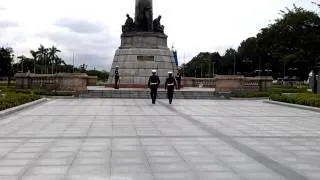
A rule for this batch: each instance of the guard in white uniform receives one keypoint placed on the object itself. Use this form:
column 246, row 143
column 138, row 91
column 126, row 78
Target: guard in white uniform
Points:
column 169, row 86
column 153, row 84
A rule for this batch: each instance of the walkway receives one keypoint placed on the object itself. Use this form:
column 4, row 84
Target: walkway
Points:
column 119, row 139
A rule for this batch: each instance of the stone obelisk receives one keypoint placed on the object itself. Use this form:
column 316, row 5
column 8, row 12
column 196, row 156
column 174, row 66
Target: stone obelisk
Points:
column 143, row 48
column 144, row 15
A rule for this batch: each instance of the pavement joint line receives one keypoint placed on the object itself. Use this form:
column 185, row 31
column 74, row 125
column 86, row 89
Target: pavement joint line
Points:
column 145, row 154
column 111, row 152
column 223, row 162
column 78, row 150
column 15, row 148
column 31, row 164
column 185, row 161
column 151, row 137
column 273, row 165
column 170, row 115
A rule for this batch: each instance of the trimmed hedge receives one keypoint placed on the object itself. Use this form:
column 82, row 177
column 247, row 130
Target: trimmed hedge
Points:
column 306, row 99
column 11, row 97
column 275, row 90
column 250, row 94
column 9, row 100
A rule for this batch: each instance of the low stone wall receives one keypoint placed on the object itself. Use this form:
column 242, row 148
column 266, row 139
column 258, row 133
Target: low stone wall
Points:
column 196, row 82
column 76, row 82
column 92, row 80
column 230, row 83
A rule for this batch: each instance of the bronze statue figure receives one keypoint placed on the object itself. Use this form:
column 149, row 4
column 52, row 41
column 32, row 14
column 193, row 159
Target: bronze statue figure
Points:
column 129, row 25
column 157, row 27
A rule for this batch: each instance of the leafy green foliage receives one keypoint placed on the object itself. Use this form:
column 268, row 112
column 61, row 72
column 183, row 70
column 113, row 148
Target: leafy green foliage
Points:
column 291, row 42
column 274, row 90
column 202, row 65
column 102, row 75
column 9, row 98
column 47, row 60
column 307, row 99
column 6, row 58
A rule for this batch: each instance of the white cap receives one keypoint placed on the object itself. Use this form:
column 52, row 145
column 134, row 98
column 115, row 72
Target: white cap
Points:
column 170, row 72
column 154, row 71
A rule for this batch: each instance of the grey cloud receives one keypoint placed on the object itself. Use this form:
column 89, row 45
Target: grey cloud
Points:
column 8, row 24
column 97, row 61
column 3, row 8
column 95, row 50
column 79, row 26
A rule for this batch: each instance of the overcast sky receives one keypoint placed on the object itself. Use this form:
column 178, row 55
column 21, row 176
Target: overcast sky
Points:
column 91, row 28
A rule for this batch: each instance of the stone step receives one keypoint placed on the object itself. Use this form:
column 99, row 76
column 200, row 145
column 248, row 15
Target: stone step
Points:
column 145, row 94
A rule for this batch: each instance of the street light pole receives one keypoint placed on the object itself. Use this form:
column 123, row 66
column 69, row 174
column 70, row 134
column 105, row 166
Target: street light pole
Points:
column 213, row 69
column 234, row 63
column 315, row 79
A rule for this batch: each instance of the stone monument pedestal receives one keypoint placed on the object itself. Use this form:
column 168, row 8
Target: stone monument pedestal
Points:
column 139, row 53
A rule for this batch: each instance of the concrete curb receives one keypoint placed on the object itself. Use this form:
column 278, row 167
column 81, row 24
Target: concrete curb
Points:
column 21, row 107
column 59, row 97
column 314, row 109
column 248, row 99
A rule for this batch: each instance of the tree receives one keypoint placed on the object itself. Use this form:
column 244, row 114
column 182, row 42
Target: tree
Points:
column 102, row 75
column 215, row 60
column 34, row 55
column 53, row 57
column 43, row 59
column 199, row 66
column 25, row 64
column 296, row 34
column 228, row 61
column 6, row 59
column 317, row 3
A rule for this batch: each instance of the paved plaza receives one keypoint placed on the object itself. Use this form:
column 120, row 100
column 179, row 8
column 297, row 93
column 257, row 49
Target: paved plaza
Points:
column 121, row 139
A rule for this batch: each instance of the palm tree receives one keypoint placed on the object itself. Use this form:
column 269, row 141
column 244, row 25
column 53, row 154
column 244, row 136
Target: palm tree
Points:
column 42, row 54
column 53, row 57
column 24, row 61
column 34, row 55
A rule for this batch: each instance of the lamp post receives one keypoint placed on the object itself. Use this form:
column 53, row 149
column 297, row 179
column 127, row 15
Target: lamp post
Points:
column 234, row 63
column 315, row 80
column 248, row 63
column 213, row 63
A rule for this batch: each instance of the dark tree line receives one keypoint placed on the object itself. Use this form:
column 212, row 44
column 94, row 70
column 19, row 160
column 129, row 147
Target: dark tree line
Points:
column 288, row 47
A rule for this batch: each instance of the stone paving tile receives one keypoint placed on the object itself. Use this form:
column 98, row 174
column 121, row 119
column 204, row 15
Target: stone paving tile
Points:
column 11, row 170
column 131, row 139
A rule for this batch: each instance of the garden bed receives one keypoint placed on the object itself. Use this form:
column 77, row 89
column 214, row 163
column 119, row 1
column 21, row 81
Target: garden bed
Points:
column 306, row 99
column 10, row 97
column 275, row 90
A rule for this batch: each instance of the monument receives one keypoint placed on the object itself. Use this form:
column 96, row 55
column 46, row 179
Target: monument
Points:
column 143, row 48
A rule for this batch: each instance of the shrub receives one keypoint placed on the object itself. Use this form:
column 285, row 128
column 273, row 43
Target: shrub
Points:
column 275, row 90
column 250, row 94
column 306, row 99
column 9, row 100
